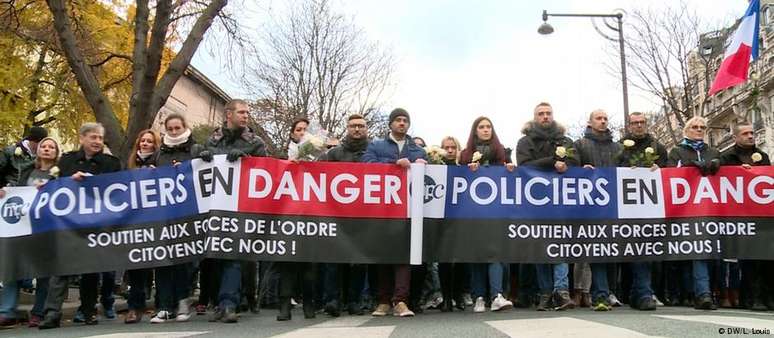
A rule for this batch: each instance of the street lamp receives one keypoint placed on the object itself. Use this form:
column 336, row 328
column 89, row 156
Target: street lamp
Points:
column 546, row 29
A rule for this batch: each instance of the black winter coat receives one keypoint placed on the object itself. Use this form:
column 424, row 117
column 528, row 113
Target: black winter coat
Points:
column 684, row 156
column 597, row 150
column 169, row 155
column 12, row 164
column 737, row 155
column 538, row 146
column 223, row 140
column 348, row 151
column 76, row 161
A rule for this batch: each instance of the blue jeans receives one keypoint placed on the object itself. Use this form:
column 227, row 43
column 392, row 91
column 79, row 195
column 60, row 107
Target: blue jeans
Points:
column 230, row 284
column 552, row 277
column 480, row 272
column 10, row 298
column 599, row 286
column 641, row 280
column 701, row 278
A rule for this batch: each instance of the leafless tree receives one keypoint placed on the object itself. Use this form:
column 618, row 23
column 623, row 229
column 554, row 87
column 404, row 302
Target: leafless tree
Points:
column 669, row 51
column 315, row 63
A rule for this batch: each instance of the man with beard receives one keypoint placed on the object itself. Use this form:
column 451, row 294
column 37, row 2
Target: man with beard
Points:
column 640, row 149
column 597, row 149
column 350, row 150
column 537, row 148
column 756, row 274
column 236, row 140
column 397, row 147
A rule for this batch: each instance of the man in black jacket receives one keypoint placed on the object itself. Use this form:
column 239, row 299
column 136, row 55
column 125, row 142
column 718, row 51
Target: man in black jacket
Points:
column 89, row 160
column 756, row 274
column 634, row 155
column 19, row 155
column 538, row 148
column 640, row 149
column 597, row 149
column 236, row 140
column 351, row 149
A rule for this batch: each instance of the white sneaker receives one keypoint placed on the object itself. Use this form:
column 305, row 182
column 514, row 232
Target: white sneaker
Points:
column 500, row 303
column 467, row 299
column 613, row 300
column 658, row 302
column 480, row 305
column 433, row 303
column 183, row 310
column 293, row 302
column 161, row 317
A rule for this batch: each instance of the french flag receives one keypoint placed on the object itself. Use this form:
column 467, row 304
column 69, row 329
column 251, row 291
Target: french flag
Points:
column 742, row 49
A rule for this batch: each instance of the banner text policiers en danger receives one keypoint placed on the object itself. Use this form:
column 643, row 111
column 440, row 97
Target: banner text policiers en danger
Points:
column 267, row 209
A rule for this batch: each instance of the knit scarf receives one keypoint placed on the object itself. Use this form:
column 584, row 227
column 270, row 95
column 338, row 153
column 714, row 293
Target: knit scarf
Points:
column 697, row 145
column 144, row 155
column 171, row 141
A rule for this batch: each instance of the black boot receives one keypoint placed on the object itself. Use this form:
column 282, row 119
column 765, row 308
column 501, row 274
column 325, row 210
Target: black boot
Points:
column 459, row 303
column 52, row 320
column 309, row 311
column 284, row 309
column 253, row 307
column 332, row 308
column 446, row 305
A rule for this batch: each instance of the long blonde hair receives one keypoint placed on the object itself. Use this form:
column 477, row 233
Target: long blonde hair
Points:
column 456, row 143
column 58, row 151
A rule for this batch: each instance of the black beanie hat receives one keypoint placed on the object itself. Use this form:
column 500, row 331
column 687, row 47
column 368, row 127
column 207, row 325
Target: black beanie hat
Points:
column 399, row 112
column 37, row 133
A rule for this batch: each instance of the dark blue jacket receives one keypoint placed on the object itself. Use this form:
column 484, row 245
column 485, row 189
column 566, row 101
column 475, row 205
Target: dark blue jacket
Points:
column 386, row 151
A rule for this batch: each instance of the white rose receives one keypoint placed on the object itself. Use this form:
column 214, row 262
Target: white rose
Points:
column 628, row 143
column 649, row 150
column 18, row 151
column 476, row 157
column 316, row 142
column 54, row 171
column 757, row 157
column 561, row 151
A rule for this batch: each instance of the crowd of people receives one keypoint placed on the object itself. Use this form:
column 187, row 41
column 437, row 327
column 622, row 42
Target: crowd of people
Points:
column 228, row 287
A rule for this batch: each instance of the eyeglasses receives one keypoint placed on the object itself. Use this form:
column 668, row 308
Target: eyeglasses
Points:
column 697, row 127
column 450, row 148
column 356, row 126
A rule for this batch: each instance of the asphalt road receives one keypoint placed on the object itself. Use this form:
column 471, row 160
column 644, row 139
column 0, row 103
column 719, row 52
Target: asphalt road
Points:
column 621, row 322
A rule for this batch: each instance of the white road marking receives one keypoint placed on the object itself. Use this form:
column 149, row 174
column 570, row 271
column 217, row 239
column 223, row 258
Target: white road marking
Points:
column 179, row 334
column 350, row 321
column 341, row 327
column 337, row 332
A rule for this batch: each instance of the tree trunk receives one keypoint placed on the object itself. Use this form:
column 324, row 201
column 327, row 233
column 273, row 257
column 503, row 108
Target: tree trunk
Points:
column 143, row 119
column 103, row 111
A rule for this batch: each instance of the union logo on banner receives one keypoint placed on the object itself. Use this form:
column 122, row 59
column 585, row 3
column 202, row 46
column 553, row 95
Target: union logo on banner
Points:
column 14, row 211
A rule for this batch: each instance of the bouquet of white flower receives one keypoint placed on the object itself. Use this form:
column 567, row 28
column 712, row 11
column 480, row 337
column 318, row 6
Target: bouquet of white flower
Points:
column 312, row 145
column 434, row 154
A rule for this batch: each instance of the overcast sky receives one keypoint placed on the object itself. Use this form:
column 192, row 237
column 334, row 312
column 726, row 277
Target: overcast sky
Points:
column 459, row 59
